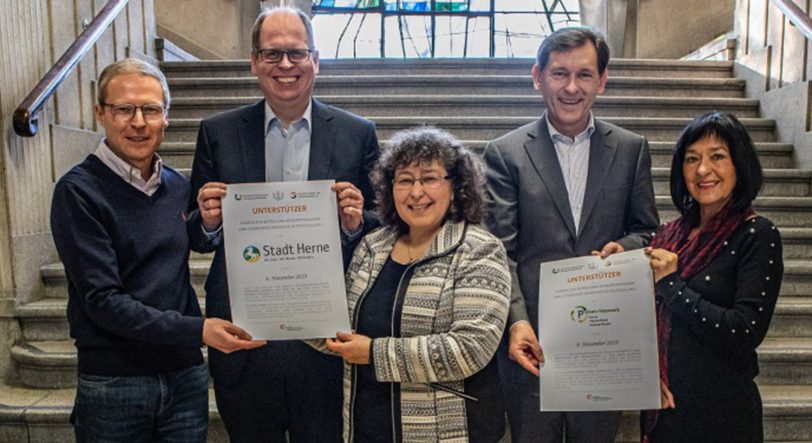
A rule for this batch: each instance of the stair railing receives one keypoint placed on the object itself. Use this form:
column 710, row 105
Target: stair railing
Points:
column 796, row 16
column 26, row 116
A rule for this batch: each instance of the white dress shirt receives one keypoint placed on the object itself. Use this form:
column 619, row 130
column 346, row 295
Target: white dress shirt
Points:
column 573, row 157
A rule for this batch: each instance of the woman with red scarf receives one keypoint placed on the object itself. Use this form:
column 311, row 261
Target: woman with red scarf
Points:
column 717, row 271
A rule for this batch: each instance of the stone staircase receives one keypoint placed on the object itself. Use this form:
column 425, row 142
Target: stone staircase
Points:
column 477, row 100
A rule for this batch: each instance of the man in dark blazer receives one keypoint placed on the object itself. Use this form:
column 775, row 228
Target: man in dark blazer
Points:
column 286, row 386
column 566, row 185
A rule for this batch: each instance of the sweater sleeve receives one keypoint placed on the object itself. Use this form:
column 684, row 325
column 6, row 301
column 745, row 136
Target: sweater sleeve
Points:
column 86, row 249
column 481, row 297
column 743, row 326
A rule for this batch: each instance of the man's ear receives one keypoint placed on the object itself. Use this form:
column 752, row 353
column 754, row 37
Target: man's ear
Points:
column 254, row 61
column 315, row 57
column 98, row 111
column 604, row 78
column 536, row 77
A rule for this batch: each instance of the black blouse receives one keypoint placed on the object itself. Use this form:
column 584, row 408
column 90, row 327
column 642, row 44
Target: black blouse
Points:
column 373, row 399
column 719, row 317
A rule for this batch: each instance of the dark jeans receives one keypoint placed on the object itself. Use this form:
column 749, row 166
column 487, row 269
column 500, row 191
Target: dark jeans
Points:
column 172, row 407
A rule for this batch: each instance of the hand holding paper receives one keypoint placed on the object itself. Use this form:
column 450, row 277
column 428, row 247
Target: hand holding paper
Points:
column 523, row 347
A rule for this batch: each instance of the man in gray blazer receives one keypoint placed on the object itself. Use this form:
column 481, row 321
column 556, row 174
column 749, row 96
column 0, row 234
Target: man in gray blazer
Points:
column 284, row 387
column 563, row 186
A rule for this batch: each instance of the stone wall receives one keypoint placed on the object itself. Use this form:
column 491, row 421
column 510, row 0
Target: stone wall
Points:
column 776, row 60
column 671, row 29
column 208, row 29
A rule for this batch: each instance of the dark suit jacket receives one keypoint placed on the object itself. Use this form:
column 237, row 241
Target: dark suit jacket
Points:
column 231, row 149
column 530, row 211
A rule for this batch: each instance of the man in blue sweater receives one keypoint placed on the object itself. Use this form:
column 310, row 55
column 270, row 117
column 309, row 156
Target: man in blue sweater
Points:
column 119, row 225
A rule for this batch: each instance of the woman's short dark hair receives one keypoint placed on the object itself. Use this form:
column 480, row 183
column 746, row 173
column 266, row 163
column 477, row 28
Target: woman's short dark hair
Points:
column 424, row 145
column 727, row 128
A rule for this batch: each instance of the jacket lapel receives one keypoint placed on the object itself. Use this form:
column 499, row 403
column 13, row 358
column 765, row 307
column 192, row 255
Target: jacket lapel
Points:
column 601, row 154
column 542, row 155
column 252, row 143
column 322, row 142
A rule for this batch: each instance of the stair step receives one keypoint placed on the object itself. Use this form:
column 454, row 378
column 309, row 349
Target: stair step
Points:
column 772, row 155
column 49, row 364
column 41, row 416
column 46, row 364
column 53, row 277
column 460, row 84
column 783, row 211
column 792, row 318
column 785, row 360
column 389, row 105
column 797, row 278
column 467, row 128
column 396, row 67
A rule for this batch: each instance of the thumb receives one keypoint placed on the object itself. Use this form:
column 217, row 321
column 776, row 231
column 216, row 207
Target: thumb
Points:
column 241, row 333
column 343, row 336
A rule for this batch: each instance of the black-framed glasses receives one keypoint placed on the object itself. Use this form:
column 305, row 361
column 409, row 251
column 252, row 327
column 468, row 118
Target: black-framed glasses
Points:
column 151, row 112
column 427, row 182
column 273, row 55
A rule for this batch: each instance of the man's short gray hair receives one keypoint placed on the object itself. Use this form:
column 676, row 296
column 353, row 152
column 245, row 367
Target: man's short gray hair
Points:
column 130, row 66
column 255, row 31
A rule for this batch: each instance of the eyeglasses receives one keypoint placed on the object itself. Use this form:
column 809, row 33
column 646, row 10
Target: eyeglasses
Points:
column 125, row 112
column 272, row 55
column 427, row 181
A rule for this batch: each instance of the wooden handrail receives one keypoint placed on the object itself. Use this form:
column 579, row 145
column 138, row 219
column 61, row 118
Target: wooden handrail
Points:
column 796, row 16
column 26, row 116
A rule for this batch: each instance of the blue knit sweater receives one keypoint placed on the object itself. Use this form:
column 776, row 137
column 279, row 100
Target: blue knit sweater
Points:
column 131, row 307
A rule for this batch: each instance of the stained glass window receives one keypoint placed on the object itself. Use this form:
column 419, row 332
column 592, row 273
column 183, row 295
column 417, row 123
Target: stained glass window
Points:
column 437, row 28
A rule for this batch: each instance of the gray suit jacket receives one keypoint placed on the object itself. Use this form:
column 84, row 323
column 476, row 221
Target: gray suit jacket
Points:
column 529, row 207
column 231, row 149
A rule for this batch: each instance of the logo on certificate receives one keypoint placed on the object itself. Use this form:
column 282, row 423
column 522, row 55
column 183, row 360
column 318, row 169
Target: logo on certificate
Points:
column 278, row 195
column 251, row 254
column 579, row 314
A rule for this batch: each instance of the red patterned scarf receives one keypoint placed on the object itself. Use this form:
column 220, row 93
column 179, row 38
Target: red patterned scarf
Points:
column 694, row 256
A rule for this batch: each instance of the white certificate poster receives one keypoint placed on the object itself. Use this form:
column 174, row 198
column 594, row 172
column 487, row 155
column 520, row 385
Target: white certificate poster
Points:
column 597, row 327
column 283, row 257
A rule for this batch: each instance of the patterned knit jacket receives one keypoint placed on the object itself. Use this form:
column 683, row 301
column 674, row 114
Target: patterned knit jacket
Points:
column 452, row 317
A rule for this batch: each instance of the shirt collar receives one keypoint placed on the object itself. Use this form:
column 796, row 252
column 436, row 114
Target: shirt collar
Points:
column 126, row 171
column 270, row 117
column 586, row 133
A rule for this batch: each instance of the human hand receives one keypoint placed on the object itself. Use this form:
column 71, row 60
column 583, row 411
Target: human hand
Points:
column 666, row 397
column 354, row 348
column 227, row 337
column 209, row 200
column 524, row 348
column 609, row 249
column 663, row 263
column 350, row 205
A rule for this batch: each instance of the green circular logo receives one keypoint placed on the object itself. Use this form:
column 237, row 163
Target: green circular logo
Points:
column 251, row 254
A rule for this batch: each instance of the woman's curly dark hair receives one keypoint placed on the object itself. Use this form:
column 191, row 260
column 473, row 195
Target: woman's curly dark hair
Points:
column 421, row 146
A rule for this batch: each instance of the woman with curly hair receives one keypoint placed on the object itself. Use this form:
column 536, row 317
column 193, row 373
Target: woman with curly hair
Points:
column 428, row 296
